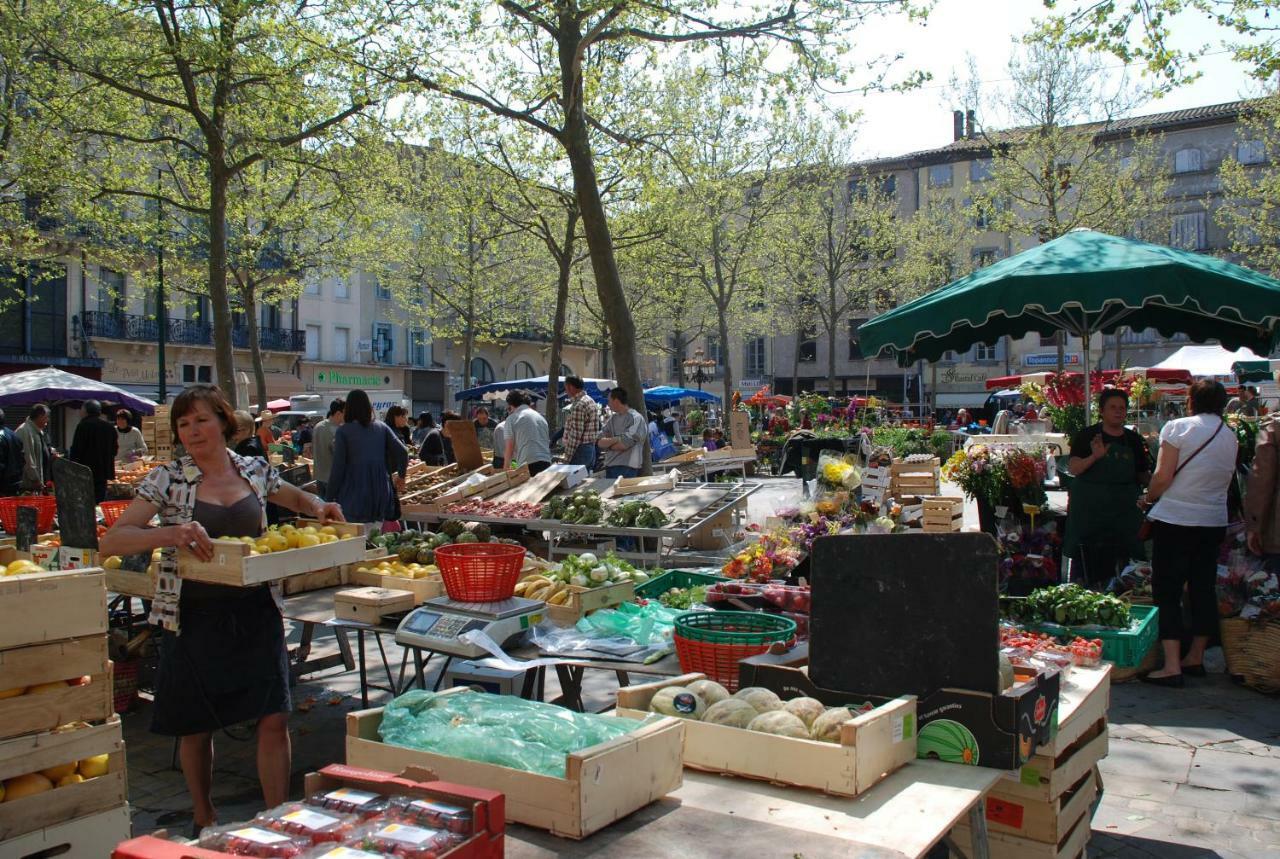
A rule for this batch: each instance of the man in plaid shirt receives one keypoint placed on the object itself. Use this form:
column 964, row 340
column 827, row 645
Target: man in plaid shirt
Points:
column 581, row 425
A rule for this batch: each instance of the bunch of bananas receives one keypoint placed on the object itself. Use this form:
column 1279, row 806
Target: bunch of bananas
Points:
column 544, row 589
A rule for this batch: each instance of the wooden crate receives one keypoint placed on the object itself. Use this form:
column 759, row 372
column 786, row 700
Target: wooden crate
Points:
column 1083, row 700
column 36, row 752
column 1002, row 845
column 60, row 661
column 652, row 483
column 584, row 600
column 50, row 606
column 871, row 745
column 1044, row 778
column 130, row 583
column 317, row 580
column 423, row 589
column 603, row 783
column 942, row 514
column 1046, row 822
column 369, row 604
column 88, row 837
column 232, row 564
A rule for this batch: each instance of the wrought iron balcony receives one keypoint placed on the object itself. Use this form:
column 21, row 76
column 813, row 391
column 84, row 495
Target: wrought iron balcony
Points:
column 185, row 332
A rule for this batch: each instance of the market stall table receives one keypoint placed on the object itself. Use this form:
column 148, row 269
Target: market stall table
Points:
column 905, row 815
column 312, row 609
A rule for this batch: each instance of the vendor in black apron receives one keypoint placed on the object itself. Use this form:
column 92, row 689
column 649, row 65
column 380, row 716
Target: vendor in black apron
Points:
column 1110, row 465
column 222, row 659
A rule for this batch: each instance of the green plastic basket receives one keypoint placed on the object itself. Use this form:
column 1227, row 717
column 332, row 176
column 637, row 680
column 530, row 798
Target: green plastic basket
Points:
column 663, row 582
column 734, row 627
column 1124, row 647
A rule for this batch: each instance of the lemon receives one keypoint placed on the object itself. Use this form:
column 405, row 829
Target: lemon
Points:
column 330, row 530
column 262, row 548
column 54, row 774
column 26, row 785
column 248, row 541
column 111, row 562
column 287, row 527
column 94, row 766
column 277, row 541
column 306, row 541
column 253, row 553
column 293, row 538
column 73, row 778
column 362, row 569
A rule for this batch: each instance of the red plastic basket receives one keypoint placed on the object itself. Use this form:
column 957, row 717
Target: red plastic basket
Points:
column 111, row 511
column 46, row 508
column 714, row 642
column 480, row 572
column 124, row 684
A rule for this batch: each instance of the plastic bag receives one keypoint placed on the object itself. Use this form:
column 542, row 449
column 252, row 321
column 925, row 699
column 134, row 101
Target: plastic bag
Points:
column 347, row 800
column 432, row 814
column 496, row 729
column 386, row 838
column 644, row 624
column 314, row 825
column 240, row 839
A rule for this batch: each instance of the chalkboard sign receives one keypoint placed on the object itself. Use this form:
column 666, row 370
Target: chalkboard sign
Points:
column 77, row 504
column 901, row 614
column 27, row 531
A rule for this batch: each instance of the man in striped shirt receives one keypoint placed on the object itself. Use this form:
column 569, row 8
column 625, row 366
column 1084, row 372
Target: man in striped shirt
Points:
column 581, row 425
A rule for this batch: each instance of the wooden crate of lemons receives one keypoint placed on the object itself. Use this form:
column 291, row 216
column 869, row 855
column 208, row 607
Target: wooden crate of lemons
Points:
column 288, row 550
column 422, row 580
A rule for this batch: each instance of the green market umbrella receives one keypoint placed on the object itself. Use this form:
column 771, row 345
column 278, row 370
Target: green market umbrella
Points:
column 1084, row 283
column 1256, row 371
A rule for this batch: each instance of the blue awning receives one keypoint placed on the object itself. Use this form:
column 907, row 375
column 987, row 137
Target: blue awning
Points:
column 665, row 394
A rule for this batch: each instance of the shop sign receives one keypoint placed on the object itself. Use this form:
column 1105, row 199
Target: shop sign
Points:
column 333, row 378
column 1050, row 359
column 962, row 378
column 116, row 371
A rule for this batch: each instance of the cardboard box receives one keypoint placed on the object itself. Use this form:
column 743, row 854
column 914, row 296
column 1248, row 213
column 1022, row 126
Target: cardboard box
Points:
column 87, row 837
column 369, row 604
column 422, row 589
column 40, row 607
column 233, row 565
column 1004, row 729
column 1046, row 822
column 487, row 812
column 1002, row 845
column 46, row 555
column 871, row 745
column 70, row 558
column 36, row 752
column 602, row 784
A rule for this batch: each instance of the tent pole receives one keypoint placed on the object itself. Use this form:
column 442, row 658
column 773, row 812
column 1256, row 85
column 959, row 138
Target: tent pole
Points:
column 1088, row 390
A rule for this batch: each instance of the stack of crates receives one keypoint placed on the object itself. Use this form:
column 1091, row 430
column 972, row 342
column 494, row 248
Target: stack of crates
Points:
column 158, row 435
column 58, row 730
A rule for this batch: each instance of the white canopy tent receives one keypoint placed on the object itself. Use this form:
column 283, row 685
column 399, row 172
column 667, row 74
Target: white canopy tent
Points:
column 1208, row 361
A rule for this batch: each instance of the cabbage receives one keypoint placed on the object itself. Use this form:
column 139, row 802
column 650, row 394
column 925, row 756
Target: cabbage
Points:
column 678, row 701
column 807, row 709
column 762, row 700
column 827, row 726
column 733, row 712
column 709, row 691
column 781, row 723
column 587, row 559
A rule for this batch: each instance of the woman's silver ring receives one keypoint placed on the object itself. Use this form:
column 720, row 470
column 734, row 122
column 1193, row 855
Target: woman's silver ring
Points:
column 192, row 545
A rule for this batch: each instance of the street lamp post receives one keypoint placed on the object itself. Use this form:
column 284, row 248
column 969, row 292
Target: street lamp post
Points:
column 696, row 367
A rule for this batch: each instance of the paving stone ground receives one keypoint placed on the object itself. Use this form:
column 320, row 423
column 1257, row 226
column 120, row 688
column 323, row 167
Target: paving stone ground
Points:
column 1192, row 773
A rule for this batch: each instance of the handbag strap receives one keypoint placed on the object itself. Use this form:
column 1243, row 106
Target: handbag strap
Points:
column 1209, row 441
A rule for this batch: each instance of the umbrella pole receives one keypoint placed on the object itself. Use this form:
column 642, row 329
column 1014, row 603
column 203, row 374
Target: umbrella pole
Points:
column 1088, row 389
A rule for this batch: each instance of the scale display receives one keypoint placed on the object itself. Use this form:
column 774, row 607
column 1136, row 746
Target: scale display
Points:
column 438, row 627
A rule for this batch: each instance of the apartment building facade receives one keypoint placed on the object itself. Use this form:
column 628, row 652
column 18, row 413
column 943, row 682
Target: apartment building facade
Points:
column 1194, row 143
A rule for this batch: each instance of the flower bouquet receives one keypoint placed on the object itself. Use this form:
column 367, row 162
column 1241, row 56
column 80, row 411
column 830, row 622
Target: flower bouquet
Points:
column 1064, row 394
column 773, row 557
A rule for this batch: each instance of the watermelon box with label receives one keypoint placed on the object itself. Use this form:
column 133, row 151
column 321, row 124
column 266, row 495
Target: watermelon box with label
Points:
column 916, row 614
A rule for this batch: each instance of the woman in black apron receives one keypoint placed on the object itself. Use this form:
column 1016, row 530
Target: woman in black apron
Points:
column 222, row 658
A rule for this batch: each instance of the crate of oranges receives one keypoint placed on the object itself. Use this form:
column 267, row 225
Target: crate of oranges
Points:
column 289, row 550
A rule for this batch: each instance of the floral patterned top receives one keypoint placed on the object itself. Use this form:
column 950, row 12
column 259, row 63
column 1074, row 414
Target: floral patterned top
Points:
column 172, row 488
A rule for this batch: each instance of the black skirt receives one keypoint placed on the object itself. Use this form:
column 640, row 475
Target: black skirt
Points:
column 228, row 665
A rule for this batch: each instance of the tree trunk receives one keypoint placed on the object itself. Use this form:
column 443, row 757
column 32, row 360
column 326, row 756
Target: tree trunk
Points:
column 255, row 348
column 223, row 356
column 795, row 362
column 1061, row 341
column 562, row 311
column 468, row 346
column 722, row 326
column 576, row 140
column 831, row 359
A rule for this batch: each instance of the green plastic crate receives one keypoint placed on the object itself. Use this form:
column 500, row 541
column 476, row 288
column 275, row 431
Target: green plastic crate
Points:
column 1124, row 647
column 664, row 582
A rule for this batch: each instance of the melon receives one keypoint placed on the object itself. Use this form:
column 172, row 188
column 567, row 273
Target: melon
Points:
column 780, row 723
column 827, row 726
column 678, row 701
column 22, row 786
column 94, row 766
column 709, row 691
column 807, row 709
column 947, row 740
column 761, row 700
column 72, row 778
column 732, row 712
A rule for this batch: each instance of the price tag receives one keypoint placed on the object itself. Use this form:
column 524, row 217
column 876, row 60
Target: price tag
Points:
column 260, row 836
column 414, row 836
column 354, row 797
column 310, row 819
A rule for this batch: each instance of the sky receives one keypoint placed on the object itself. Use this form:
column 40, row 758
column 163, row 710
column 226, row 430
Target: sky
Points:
column 897, row 123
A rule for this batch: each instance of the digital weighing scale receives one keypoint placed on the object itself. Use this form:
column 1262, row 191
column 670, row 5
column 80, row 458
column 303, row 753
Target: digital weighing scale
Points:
column 436, row 624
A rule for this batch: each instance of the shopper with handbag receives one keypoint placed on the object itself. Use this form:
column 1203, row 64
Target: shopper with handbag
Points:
column 1194, row 468
column 369, row 465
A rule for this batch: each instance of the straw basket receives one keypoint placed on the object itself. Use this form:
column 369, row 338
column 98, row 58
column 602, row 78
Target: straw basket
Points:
column 1252, row 649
